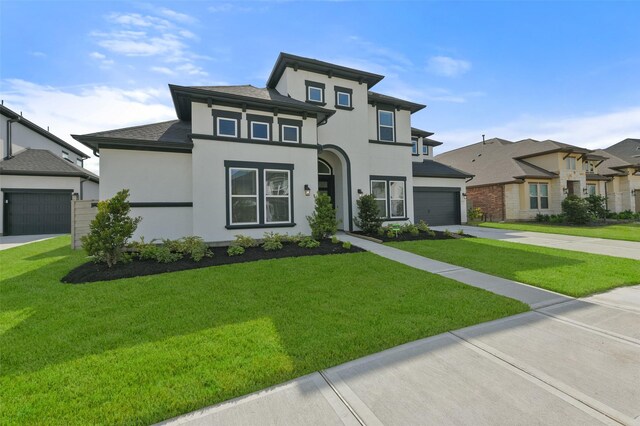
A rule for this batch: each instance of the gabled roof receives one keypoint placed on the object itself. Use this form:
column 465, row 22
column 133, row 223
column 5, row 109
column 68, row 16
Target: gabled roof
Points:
column 419, row 132
column 39, row 130
column 41, row 162
column 430, row 142
column 613, row 165
column 379, row 98
column 167, row 135
column 627, row 150
column 498, row 161
column 308, row 64
column 252, row 97
column 431, row 168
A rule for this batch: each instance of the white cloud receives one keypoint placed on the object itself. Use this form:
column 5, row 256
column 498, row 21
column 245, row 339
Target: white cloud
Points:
column 589, row 131
column 177, row 16
column 97, row 55
column 448, row 67
column 89, row 109
column 234, row 8
column 38, row 54
column 163, row 70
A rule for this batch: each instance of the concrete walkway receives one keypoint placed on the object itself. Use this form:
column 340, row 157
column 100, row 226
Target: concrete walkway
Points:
column 572, row 363
column 628, row 249
column 19, row 240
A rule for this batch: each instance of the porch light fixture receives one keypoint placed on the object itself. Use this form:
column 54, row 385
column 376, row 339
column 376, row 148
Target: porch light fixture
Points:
column 464, row 194
column 585, row 191
column 307, row 190
column 565, row 191
column 360, row 193
column 634, row 192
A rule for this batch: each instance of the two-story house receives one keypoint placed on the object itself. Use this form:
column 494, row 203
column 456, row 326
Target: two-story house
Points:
column 39, row 175
column 242, row 159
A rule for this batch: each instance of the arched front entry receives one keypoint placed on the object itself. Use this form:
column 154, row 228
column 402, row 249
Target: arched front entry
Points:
column 334, row 179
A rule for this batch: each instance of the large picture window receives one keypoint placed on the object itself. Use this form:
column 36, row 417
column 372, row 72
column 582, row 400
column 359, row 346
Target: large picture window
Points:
column 379, row 191
column 538, row 196
column 259, row 194
column 390, row 195
column 386, row 126
column 396, row 198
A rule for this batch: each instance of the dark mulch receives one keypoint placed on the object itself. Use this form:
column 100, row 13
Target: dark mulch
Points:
column 90, row 272
column 439, row 235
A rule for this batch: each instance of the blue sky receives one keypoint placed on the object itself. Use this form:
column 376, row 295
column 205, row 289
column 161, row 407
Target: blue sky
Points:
column 563, row 70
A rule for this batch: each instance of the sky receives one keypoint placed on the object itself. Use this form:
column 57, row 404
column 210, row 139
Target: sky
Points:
column 568, row 71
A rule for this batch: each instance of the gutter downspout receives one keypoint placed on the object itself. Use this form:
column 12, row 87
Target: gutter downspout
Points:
column 8, row 143
column 81, row 187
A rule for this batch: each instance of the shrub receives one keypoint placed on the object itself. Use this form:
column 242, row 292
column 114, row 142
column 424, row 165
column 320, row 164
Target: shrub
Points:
column 161, row 254
column 422, row 226
column 110, row 230
column 431, row 233
column 272, row 241
column 542, row 217
column 597, row 206
column 346, row 245
column 460, row 232
column 447, row 233
column 475, row 213
column 382, row 231
column 194, row 247
column 368, row 218
column 295, row 239
column 323, row 221
column 391, row 233
column 309, row 242
column 625, row 215
column 410, row 228
column 334, row 239
column 245, row 242
column 557, row 218
column 235, row 250
column 576, row 210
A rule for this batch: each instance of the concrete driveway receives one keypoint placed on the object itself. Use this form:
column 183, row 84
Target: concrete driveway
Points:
column 19, row 240
column 628, row 249
column 573, row 363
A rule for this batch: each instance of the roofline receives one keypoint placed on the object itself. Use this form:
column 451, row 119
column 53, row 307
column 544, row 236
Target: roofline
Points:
column 463, row 174
column 56, row 174
column 539, row 168
column 430, row 142
column 308, row 64
column 97, row 142
column 576, row 150
column 34, row 127
column 420, row 132
column 374, row 98
column 208, row 96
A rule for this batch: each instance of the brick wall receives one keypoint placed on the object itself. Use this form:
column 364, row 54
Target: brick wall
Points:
column 490, row 199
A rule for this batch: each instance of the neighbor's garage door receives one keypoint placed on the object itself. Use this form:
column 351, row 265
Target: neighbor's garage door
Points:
column 436, row 206
column 33, row 212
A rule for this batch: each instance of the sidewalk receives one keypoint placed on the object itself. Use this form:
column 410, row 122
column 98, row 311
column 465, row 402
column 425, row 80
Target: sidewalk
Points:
column 19, row 240
column 628, row 249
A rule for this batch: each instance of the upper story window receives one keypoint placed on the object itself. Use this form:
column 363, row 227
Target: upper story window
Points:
column 386, row 127
column 65, row 155
column 414, row 146
column 538, row 196
column 315, row 92
column 589, row 167
column 425, row 149
column 260, row 127
column 290, row 130
column 79, row 162
column 226, row 123
column 570, row 163
column 343, row 98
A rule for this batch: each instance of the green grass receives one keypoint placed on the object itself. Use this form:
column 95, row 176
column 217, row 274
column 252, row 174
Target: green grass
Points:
column 141, row 350
column 569, row 272
column 625, row 232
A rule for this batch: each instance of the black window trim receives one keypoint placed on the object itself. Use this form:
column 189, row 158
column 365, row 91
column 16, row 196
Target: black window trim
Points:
column 389, row 179
column 216, row 113
column 291, row 123
column 317, row 85
column 260, row 167
column 539, row 197
column 256, row 118
column 393, row 112
column 337, row 90
column 417, row 146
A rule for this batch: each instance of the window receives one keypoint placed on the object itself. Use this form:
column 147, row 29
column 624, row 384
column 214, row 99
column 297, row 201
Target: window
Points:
column 324, row 168
column 343, row 97
column 79, row 162
column 379, row 191
column 425, row 149
column 226, row 123
column 571, row 163
column 385, row 126
column 389, row 193
column 414, row 146
column 259, row 194
column 290, row 130
column 591, row 189
column 65, row 155
column 277, row 205
column 538, row 196
column 260, row 131
column 589, row 167
column 315, row 92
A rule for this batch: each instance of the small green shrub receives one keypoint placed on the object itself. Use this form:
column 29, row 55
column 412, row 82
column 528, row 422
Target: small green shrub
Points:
column 576, row 210
column 309, row 242
column 346, row 245
column 381, row 231
column 460, row 232
column 194, row 247
column 446, row 232
column 410, row 228
column 334, row 239
column 626, row 215
column 392, row 234
column 272, row 241
column 431, row 233
column 542, row 217
column 422, row 226
column 235, row 250
column 597, row 206
column 159, row 253
column 323, row 221
column 368, row 218
column 110, row 230
column 295, row 239
column 245, row 241
column 475, row 213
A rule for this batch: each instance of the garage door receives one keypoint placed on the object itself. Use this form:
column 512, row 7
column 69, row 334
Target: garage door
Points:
column 436, row 206
column 36, row 212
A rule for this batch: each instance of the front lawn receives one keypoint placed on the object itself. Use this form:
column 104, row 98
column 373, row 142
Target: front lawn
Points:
column 569, row 272
column 140, row 350
column 626, row 231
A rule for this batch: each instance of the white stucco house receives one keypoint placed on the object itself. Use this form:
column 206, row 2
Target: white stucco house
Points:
column 241, row 159
column 39, row 175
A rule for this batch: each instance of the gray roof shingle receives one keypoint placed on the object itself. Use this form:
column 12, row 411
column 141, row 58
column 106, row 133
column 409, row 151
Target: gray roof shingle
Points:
column 386, row 99
column 431, row 168
column 166, row 131
column 627, row 150
column 42, row 162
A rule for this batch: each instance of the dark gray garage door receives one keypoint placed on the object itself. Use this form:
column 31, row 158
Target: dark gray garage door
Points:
column 436, row 206
column 33, row 212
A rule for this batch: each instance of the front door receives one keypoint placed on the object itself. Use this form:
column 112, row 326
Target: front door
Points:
column 326, row 186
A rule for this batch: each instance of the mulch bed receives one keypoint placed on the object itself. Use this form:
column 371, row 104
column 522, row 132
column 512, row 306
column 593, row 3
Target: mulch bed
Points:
column 90, row 272
column 439, row 235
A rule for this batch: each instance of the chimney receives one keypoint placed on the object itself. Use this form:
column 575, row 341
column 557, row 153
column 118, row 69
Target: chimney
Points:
column 483, row 142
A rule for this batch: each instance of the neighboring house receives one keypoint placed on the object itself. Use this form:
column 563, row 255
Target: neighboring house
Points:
column 624, row 164
column 39, row 174
column 241, row 159
column 517, row 180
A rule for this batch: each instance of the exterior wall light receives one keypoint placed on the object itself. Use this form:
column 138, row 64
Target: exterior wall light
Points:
column 585, row 191
column 565, row 191
column 464, row 194
column 360, row 193
column 307, row 190
column 634, row 192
